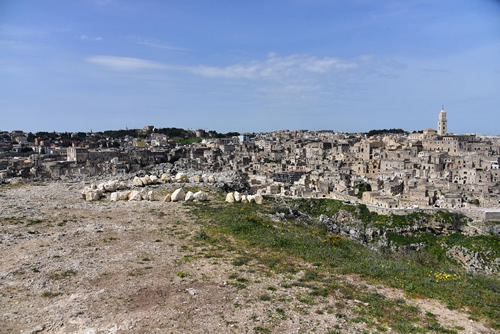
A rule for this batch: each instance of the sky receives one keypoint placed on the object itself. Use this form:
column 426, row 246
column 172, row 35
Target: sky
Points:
column 249, row 66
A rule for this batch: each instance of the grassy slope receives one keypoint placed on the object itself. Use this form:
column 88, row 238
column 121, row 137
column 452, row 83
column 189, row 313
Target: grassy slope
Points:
column 424, row 274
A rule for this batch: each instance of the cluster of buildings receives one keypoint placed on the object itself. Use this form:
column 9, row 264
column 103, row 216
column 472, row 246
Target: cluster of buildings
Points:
column 429, row 168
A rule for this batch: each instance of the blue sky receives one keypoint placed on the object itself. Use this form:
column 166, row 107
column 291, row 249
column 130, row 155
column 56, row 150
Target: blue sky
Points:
column 345, row 65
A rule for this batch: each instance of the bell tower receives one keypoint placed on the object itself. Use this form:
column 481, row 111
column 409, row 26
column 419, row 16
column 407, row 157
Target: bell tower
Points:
column 442, row 128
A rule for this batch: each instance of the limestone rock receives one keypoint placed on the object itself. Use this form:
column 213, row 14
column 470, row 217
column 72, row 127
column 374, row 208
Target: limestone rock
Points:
column 192, row 292
column 114, row 197
column 92, row 193
column 237, row 196
column 165, row 178
column 154, row 179
column 110, row 186
column 189, row 196
column 137, row 182
column 123, row 195
column 122, row 185
column 244, row 199
column 251, row 199
column 181, row 177
column 200, row 196
column 230, row 198
column 39, row 329
column 135, row 196
column 178, row 195
column 151, row 195
column 259, row 199
column 167, row 198
column 146, row 180
column 211, row 179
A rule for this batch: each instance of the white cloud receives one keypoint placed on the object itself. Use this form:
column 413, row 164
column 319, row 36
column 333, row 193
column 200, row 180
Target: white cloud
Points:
column 125, row 63
column 87, row 38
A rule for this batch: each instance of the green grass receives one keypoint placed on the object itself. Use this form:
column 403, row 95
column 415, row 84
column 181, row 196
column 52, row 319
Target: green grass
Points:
column 61, row 275
column 417, row 273
column 49, row 294
column 265, row 298
column 34, row 222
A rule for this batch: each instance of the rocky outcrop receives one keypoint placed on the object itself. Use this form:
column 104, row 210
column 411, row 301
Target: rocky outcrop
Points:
column 473, row 261
column 346, row 224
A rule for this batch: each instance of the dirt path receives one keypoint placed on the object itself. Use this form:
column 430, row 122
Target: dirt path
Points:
column 70, row 266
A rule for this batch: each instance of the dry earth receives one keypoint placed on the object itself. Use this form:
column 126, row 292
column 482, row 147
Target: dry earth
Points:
column 70, row 266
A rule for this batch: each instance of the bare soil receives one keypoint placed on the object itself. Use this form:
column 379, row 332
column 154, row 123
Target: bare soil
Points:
column 70, row 266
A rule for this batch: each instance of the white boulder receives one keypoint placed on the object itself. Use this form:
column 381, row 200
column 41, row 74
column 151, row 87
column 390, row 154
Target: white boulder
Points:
column 259, row 199
column 200, row 196
column 151, row 195
column 135, row 195
column 178, row 195
column 91, row 193
column 181, row 177
column 251, row 198
column 137, row 182
column 154, row 179
column 165, row 178
column 123, row 195
column 197, row 179
column 167, row 198
column 122, row 185
column 230, row 198
column 114, row 197
column 146, row 180
column 237, row 196
column 110, row 186
column 189, row 196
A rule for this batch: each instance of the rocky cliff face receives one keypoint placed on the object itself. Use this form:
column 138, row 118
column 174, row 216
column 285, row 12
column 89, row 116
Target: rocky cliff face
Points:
column 416, row 237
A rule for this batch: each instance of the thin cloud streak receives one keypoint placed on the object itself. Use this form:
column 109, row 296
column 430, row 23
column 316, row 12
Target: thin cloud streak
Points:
column 276, row 67
column 125, row 63
column 293, row 73
column 13, row 44
column 161, row 46
column 87, row 38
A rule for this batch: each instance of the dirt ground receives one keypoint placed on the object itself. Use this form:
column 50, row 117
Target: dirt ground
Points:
column 70, row 266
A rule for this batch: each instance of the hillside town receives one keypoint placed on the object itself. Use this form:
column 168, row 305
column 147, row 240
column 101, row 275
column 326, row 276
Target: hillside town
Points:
column 390, row 169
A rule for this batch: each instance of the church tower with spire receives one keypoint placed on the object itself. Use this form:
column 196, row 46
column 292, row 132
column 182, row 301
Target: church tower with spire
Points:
column 442, row 128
